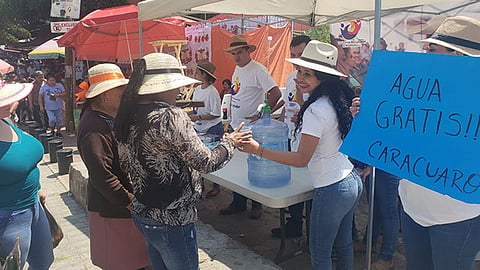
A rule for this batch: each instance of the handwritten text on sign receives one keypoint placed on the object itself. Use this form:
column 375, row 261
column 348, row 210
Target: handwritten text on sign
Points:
column 420, row 120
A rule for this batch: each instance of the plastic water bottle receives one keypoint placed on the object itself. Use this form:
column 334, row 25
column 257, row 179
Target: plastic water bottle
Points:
column 271, row 134
column 290, row 109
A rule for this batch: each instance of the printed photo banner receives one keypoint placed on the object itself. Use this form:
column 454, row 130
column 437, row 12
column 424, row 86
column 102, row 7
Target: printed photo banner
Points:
column 420, row 120
column 198, row 47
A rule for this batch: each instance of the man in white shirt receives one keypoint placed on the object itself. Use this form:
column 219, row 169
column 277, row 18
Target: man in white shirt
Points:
column 251, row 84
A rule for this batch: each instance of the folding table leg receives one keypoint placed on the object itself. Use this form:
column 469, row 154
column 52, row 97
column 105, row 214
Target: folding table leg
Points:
column 279, row 255
column 308, row 207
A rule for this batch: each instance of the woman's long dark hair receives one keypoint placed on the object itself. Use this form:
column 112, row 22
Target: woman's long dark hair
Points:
column 339, row 93
column 126, row 110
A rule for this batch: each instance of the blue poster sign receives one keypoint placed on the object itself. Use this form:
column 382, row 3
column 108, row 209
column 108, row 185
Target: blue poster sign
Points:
column 420, row 120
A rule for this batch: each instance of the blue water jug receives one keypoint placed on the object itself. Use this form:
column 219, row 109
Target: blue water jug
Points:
column 271, row 134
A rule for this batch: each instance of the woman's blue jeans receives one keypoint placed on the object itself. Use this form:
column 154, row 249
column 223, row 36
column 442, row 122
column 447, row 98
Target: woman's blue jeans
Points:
column 386, row 218
column 31, row 226
column 169, row 247
column 331, row 219
column 450, row 246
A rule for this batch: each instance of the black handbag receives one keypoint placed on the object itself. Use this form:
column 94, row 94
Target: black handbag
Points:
column 12, row 261
column 55, row 229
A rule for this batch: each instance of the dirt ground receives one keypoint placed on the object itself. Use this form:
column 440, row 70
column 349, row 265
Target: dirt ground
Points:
column 255, row 234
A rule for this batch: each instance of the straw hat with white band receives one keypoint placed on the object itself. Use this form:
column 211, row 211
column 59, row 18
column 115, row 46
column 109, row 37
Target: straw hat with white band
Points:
column 104, row 77
column 9, row 93
column 458, row 33
column 163, row 73
column 319, row 56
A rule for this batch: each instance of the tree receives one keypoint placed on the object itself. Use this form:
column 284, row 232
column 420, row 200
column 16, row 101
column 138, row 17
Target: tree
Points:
column 18, row 18
column 321, row 33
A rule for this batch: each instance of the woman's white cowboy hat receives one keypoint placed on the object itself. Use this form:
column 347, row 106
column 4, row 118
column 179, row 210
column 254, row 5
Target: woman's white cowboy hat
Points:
column 319, row 56
column 239, row 42
column 104, row 77
column 426, row 28
column 207, row 67
column 163, row 73
column 10, row 93
column 458, row 33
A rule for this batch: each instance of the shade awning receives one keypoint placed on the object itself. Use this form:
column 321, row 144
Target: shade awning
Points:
column 47, row 50
column 308, row 12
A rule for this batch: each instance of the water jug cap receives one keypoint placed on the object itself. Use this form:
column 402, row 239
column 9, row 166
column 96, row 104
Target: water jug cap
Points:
column 265, row 108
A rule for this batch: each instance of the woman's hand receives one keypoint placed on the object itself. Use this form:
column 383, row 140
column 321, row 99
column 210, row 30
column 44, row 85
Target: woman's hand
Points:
column 355, row 108
column 194, row 117
column 294, row 117
column 364, row 172
column 239, row 138
column 42, row 196
column 252, row 147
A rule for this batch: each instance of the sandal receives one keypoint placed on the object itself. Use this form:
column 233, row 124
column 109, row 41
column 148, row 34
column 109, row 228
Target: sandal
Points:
column 213, row 192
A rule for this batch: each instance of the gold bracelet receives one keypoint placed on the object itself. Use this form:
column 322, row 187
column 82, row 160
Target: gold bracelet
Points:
column 261, row 151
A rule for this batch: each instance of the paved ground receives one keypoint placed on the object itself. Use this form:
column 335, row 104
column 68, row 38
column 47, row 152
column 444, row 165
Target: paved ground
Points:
column 216, row 250
column 231, row 242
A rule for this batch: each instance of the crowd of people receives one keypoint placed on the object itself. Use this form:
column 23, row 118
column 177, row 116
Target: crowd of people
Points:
column 44, row 104
column 145, row 160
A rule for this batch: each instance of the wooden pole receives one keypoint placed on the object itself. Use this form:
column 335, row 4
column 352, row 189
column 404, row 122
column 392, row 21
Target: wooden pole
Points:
column 69, row 89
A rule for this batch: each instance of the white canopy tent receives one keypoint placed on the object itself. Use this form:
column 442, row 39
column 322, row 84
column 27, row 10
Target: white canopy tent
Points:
column 310, row 12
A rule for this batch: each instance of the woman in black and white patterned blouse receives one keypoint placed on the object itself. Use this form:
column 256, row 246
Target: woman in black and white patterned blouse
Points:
column 164, row 158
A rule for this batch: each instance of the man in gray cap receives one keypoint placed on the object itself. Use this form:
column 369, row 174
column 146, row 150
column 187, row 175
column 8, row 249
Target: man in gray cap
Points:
column 33, row 104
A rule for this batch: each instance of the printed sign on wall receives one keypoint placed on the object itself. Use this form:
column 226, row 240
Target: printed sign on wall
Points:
column 65, row 9
column 61, row 27
column 420, row 120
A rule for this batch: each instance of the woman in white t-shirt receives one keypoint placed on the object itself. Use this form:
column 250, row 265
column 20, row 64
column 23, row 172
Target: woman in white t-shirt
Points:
column 207, row 119
column 323, row 121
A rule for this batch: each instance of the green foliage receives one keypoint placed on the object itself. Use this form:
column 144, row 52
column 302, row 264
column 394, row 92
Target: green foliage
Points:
column 12, row 32
column 321, row 33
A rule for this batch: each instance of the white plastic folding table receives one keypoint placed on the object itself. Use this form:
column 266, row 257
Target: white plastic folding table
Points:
column 234, row 176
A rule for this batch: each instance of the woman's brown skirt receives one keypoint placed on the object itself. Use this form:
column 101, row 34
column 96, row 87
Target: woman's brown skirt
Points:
column 116, row 243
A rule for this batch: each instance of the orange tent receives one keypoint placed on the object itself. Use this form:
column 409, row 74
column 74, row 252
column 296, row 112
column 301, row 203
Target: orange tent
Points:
column 271, row 54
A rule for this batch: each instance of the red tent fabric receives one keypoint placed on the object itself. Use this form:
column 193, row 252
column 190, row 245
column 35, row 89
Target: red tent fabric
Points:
column 111, row 34
column 5, row 67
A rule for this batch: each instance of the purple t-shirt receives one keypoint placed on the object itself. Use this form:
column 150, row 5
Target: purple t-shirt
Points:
column 47, row 91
